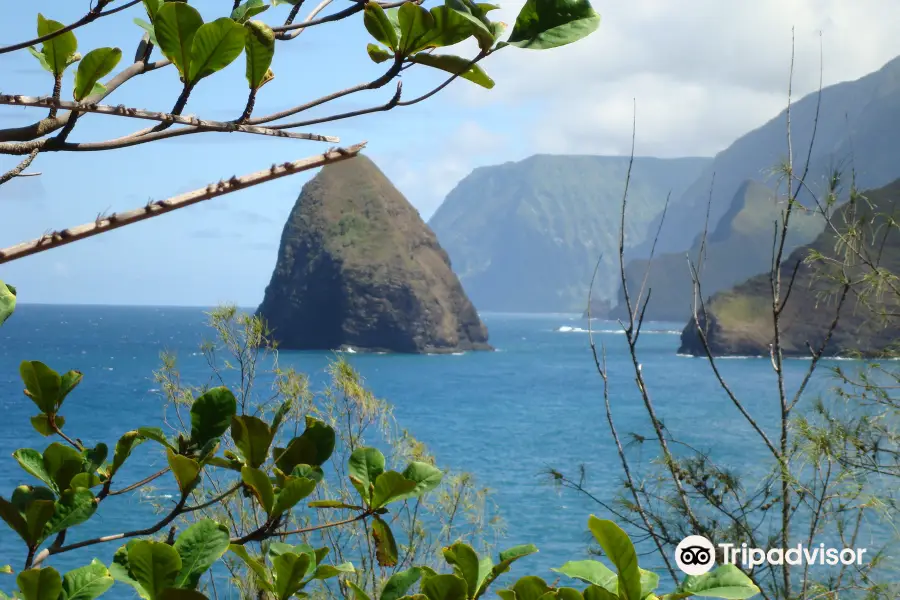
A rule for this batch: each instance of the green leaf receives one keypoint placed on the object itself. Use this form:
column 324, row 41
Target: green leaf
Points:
column 260, row 48
column 87, row 583
column 95, row 65
column 258, row 568
column 380, row 26
column 399, row 583
column 152, row 7
column 85, row 480
column 6, row 570
column 389, row 487
column 60, row 50
column 67, row 382
column 509, row 556
column 313, row 447
column 155, row 434
column 248, row 10
column 261, row 486
column 148, row 28
column 591, row 571
column 176, row 24
column 252, row 437
column 465, row 563
column 293, row 491
column 199, row 547
column 358, row 592
column 416, row 23
column 41, row 424
column 73, row 508
column 121, row 571
column 385, row 545
column 426, row 476
column 595, row 592
column 530, row 588
column 619, row 549
column 216, row 45
column 62, row 463
column 377, row 53
column 33, row 463
column 309, row 472
column 456, row 65
column 16, row 521
column 543, row 24
column 444, row 587
column 123, row 449
column 38, row 513
column 42, row 384
column 332, row 504
column 7, row 293
column 725, row 581
column 95, row 457
column 153, row 565
column 329, row 571
column 186, row 471
column 485, row 566
column 290, row 569
column 649, row 582
column 567, row 593
column 211, row 413
column 450, row 28
column 364, row 466
column 39, row 584
column 475, row 14
column 41, row 59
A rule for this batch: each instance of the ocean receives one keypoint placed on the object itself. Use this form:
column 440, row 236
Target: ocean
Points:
column 505, row 416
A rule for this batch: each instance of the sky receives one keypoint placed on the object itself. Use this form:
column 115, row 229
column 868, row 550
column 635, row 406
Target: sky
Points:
column 700, row 72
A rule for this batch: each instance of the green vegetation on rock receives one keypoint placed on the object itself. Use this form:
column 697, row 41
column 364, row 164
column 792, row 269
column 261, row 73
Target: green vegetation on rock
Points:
column 739, row 320
column 357, row 267
column 738, row 248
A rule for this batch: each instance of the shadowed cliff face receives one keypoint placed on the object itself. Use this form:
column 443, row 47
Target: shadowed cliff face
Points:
column 357, row 267
column 739, row 320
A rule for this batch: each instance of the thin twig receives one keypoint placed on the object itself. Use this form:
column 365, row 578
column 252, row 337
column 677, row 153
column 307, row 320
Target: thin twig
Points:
column 93, row 15
column 17, row 170
column 159, row 207
column 135, row 113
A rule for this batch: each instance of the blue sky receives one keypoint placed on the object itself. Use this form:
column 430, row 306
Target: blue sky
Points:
column 695, row 94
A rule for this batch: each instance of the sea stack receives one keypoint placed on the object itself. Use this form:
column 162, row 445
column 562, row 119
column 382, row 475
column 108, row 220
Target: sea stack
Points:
column 358, row 268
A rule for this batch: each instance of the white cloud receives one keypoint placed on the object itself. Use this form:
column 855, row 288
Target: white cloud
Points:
column 702, row 72
column 425, row 182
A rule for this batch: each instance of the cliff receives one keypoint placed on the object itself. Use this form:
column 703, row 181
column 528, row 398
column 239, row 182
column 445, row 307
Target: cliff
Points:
column 858, row 129
column 740, row 321
column 357, row 267
column 525, row 236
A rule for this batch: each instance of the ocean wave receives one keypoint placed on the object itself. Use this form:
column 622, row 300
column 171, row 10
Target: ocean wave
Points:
column 568, row 329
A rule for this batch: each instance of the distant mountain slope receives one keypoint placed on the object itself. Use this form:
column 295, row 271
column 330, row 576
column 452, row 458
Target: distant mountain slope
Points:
column 524, row 236
column 734, row 251
column 740, row 319
column 858, row 130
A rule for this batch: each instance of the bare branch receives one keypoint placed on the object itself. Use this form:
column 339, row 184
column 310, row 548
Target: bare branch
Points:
column 159, row 207
column 17, row 170
column 135, row 113
column 95, row 13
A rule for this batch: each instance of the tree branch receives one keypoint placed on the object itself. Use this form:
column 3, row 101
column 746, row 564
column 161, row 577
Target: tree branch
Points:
column 159, row 207
column 17, row 170
column 48, row 126
column 135, row 113
column 93, row 15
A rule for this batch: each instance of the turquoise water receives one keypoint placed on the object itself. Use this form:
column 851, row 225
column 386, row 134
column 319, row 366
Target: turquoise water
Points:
column 506, row 416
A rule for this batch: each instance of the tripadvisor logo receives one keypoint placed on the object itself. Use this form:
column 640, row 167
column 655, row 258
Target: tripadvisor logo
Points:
column 696, row 555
